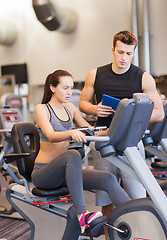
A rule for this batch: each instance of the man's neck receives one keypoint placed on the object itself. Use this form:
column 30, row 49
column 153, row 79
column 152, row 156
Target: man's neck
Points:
column 118, row 70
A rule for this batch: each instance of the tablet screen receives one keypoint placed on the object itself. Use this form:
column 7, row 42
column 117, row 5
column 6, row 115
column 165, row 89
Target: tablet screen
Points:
column 111, row 102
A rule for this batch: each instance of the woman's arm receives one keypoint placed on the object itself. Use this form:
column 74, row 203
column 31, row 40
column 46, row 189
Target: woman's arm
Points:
column 80, row 121
column 77, row 117
column 42, row 121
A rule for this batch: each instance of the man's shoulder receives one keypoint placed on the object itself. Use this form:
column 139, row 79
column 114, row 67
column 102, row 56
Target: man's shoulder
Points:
column 104, row 67
column 136, row 69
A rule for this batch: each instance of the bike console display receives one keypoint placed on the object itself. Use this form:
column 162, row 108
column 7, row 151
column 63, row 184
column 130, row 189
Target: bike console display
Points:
column 9, row 116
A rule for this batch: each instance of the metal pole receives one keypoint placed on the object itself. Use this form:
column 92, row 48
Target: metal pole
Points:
column 147, row 179
column 146, row 38
column 135, row 30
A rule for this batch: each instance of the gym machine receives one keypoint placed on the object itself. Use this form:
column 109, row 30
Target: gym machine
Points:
column 8, row 117
column 155, row 142
column 141, row 218
column 12, row 100
column 137, row 219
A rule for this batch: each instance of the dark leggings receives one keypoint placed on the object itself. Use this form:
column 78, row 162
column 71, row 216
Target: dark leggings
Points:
column 66, row 169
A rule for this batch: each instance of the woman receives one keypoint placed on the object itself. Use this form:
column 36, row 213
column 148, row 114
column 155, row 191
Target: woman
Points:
column 55, row 165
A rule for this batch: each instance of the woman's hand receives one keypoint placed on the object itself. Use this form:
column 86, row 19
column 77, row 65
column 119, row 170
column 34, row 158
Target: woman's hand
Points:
column 77, row 136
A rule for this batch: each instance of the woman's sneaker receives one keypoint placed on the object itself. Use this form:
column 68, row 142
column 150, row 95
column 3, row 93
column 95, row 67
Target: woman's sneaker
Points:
column 86, row 218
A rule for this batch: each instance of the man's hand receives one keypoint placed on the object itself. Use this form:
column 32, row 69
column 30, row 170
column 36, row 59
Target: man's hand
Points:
column 104, row 111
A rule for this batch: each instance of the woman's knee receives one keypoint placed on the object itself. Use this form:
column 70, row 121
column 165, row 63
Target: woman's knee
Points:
column 108, row 179
column 74, row 156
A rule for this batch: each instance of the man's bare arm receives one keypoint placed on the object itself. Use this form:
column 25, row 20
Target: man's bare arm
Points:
column 149, row 88
column 87, row 94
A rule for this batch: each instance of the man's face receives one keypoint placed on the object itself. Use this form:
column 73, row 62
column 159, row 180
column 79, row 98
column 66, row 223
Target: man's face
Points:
column 123, row 55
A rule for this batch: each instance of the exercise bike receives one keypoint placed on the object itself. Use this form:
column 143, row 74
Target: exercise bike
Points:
column 141, row 218
column 8, row 174
column 155, row 142
column 137, row 219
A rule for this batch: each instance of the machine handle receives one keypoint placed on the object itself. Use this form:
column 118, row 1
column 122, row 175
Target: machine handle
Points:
column 97, row 138
column 14, row 156
column 5, row 130
column 92, row 128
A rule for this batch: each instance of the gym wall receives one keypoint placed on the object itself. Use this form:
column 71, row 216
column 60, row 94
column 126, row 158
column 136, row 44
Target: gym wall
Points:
column 87, row 47
column 44, row 51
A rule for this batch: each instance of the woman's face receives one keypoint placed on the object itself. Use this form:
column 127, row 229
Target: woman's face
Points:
column 63, row 91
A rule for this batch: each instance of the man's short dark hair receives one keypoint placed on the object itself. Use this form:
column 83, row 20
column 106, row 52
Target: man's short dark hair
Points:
column 125, row 37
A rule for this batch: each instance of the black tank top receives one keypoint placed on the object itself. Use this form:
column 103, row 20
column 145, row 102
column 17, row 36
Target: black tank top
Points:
column 116, row 85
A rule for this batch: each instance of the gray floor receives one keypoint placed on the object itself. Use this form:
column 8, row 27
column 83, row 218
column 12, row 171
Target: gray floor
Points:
column 14, row 229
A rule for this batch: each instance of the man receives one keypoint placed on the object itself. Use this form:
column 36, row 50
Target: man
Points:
column 119, row 79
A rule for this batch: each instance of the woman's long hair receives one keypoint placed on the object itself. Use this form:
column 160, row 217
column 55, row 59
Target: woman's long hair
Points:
column 52, row 79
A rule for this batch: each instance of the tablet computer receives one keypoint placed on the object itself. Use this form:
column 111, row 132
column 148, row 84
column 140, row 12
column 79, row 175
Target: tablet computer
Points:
column 111, row 102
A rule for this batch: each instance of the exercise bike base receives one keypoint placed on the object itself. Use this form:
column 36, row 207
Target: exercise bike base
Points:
column 141, row 219
column 43, row 221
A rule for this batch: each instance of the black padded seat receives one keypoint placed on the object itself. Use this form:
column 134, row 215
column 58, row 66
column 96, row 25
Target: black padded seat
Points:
column 159, row 164
column 50, row 193
column 25, row 138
